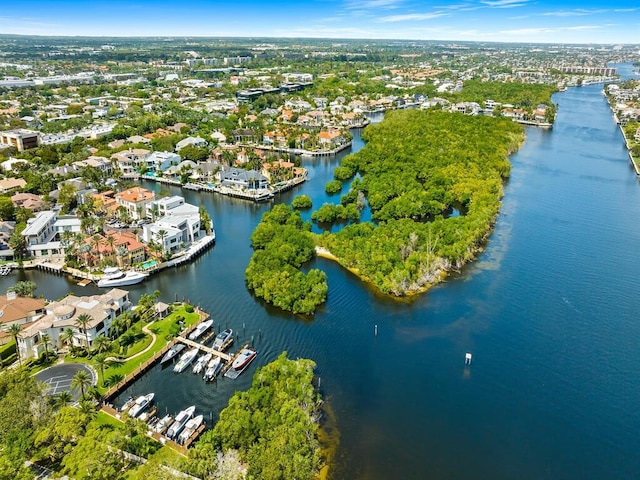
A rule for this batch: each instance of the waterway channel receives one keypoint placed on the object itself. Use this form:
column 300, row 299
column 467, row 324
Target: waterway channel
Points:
column 549, row 312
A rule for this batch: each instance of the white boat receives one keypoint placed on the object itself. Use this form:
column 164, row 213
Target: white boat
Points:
column 128, row 404
column 121, row 279
column 202, row 361
column 190, row 427
column 185, row 360
column 172, row 352
column 200, row 329
column 163, row 423
column 181, row 420
column 140, row 404
column 213, row 369
column 222, row 339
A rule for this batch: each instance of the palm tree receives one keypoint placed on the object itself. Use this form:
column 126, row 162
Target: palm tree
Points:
column 111, row 241
column 101, row 362
column 162, row 234
column 81, row 380
column 45, row 338
column 63, row 399
column 67, row 336
column 83, row 321
column 102, row 343
column 14, row 331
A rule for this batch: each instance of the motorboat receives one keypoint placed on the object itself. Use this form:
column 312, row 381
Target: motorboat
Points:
column 185, row 360
column 180, row 421
column 222, row 339
column 200, row 329
column 243, row 360
column 121, row 279
column 190, row 427
column 202, row 362
column 172, row 352
column 213, row 369
column 128, row 404
column 140, row 404
column 163, row 423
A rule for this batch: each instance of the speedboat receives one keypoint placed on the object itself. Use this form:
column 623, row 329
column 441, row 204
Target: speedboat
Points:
column 172, row 352
column 181, row 420
column 200, row 329
column 128, row 404
column 213, row 368
column 122, row 279
column 140, row 404
column 222, row 339
column 185, row 360
column 191, row 426
column 244, row 359
column 202, row 361
column 163, row 423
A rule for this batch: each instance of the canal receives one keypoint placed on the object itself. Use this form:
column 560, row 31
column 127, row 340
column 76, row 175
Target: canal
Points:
column 549, row 312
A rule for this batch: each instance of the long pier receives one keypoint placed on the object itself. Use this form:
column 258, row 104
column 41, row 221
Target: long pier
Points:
column 204, row 348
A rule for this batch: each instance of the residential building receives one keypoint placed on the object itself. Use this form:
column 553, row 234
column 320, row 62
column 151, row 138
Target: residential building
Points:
column 160, row 161
column 8, row 165
column 64, row 314
column 135, row 201
column 15, row 310
column 242, row 179
column 29, row 201
column 113, row 248
column 10, row 184
column 128, row 161
column 177, row 226
column 21, row 139
column 44, row 231
column 6, row 231
column 194, row 141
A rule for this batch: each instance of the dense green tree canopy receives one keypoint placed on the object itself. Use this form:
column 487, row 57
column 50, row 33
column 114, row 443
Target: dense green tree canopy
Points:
column 282, row 244
column 416, row 167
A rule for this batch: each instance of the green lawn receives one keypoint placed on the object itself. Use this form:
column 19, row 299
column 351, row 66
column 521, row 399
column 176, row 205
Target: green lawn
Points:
column 162, row 329
column 105, row 419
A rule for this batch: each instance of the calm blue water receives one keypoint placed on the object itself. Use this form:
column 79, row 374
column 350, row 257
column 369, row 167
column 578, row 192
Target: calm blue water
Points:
column 549, row 312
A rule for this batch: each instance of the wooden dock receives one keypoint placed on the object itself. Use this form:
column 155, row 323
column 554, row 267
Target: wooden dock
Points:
column 144, row 367
column 204, row 348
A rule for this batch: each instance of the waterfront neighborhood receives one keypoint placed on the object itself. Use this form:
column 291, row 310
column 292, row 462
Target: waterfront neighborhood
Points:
column 125, row 163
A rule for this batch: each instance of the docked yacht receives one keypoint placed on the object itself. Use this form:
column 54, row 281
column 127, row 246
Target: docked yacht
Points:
column 114, row 277
column 140, row 405
column 172, row 352
column 185, row 360
column 222, row 339
column 180, row 421
column 163, row 423
column 244, row 359
column 202, row 362
column 213, row 369
column 190, row 427
column 200, row 329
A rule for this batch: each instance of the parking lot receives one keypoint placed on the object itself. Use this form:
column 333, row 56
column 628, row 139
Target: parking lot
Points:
column 58, row 378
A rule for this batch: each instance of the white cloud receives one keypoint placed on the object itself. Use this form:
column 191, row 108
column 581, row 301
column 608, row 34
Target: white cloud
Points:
column 579, row 12
column 504, row 3
column 368, row 4
column 538, row 30
column 408, row 17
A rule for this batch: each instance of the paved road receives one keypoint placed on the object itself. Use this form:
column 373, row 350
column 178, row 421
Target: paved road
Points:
column 58, row 378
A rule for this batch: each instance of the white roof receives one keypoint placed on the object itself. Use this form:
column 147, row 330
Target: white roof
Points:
column 37, row 224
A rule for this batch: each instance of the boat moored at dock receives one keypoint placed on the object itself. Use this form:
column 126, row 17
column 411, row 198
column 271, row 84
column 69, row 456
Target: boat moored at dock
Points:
column 180, row 421
column 223, row 339
column 190, row 428
column 140, row 405
column 172, row 352
column 200, row 329
column 185, row 360
column 213, row 369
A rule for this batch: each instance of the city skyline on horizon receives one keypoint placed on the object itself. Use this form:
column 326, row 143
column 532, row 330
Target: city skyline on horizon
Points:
column 508, row 21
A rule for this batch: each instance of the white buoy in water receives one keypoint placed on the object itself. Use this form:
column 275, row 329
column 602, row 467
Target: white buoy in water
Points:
column 467, row 359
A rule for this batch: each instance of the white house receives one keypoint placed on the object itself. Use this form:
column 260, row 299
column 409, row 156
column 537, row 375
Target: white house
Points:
column 177, row 227
column 195, row 141
column 160, row 161
column 44, row 231
column 63, row 314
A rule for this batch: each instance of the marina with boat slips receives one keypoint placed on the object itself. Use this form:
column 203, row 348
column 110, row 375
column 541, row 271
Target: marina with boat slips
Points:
column 192, row 342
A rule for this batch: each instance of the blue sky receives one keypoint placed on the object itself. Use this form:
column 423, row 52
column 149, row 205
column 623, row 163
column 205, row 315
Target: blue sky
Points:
column 548, row 21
